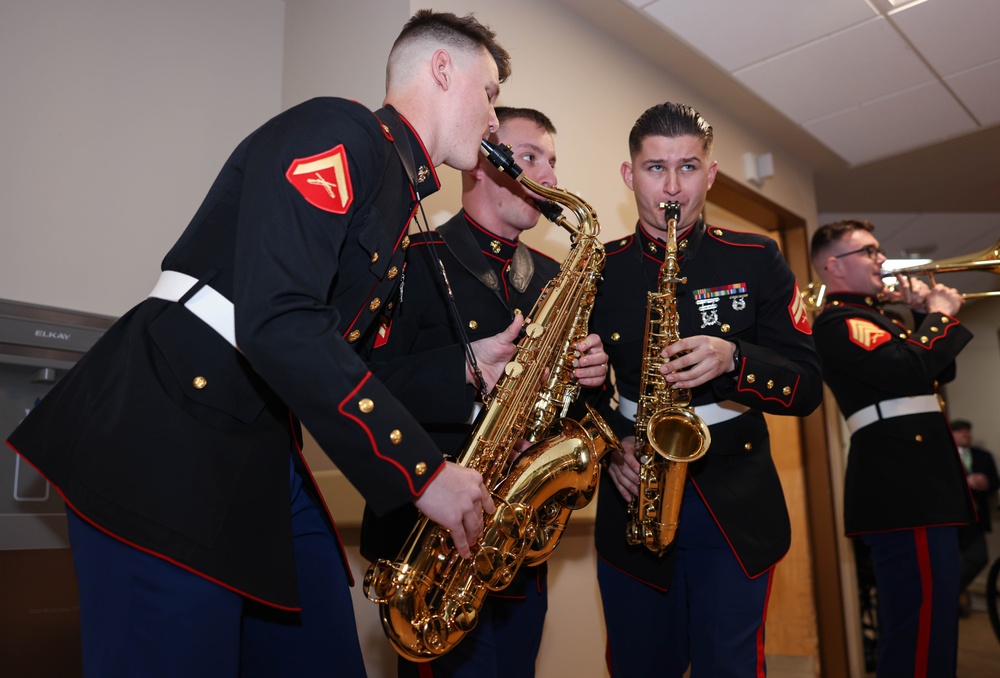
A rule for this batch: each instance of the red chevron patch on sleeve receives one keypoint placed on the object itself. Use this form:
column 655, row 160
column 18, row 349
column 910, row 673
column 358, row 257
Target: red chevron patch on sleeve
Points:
column 797, row 311
column 867, row 334
column 324, row 180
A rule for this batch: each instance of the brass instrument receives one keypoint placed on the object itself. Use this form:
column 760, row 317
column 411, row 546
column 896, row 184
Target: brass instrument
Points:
column 668, row 435
column 430, row 596
column 985, row 260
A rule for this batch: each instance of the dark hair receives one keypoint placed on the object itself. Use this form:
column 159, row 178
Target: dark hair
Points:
column 670, row 120
column 512, row 113
column 459, row 31
column 961, row 425
column 828, row 234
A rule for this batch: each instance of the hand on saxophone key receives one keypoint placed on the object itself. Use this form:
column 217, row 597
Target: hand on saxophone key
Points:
column 702, row 359
column 592, row 365
column 623, row 468
column 493, row 354
column 456, row 500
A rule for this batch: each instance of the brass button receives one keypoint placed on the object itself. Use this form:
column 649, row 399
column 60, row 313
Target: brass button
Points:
column 770, row 384
column 786, row 391
column 934, row 329
column 615, row 336
column 748, row 447
column 375, row 257
column 396, row 436
column 421, row 469
column 375, row 304
column 353, row 336
column 390, row 305
column 200, row 382
column 366, row 405
column 945, row 320
column 751, row 378
column 725, row 327
column 473, row 325
column 919, row 438
column 623, row 241
column 393, row 272
column 406, row 242
column 924, row 340
column 869, row 301
column 716, row 231
column 902, row 335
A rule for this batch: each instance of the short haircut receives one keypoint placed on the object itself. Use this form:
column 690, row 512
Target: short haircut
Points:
column 505, row 113
column 828, row 234
column 464, row 33
column 670, row 120
column 961, row 425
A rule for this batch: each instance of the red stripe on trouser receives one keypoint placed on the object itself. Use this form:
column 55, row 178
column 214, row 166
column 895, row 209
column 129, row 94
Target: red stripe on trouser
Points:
column 926, row 591
column 761, row 673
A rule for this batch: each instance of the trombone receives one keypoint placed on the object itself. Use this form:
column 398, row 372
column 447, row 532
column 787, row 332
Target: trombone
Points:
column 986, row 260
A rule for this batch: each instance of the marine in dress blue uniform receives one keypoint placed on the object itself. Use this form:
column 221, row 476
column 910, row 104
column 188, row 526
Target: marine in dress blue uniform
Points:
column 734, row 523
column 493, row 280
column 905, row 488
column 198, row 533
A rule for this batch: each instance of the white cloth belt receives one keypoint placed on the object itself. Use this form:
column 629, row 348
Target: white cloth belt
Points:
column 213, row 308
column 895, row 407
column 712, row 413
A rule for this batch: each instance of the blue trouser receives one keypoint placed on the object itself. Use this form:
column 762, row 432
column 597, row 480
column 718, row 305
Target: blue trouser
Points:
column 504, row 643
column 142, row 616
column 917, row 576
column 711, row 618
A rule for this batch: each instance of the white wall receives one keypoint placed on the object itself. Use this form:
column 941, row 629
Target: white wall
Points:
column 117, row 115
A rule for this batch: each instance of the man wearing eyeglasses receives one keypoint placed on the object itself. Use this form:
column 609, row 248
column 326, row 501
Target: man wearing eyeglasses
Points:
column 905, row 489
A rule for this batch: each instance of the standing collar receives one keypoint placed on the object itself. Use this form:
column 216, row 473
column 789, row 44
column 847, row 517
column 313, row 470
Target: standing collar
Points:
column 853, row 299
column 687, row 246
column 416, row 159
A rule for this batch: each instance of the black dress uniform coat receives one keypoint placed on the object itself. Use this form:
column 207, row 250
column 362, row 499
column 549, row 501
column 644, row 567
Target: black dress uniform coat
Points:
column 738, row 288
column 902, row 472
column 169, row 438
column 421, row 356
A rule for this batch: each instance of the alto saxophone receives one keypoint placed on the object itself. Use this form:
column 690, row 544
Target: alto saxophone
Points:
column 430, row 596
column 668, row 434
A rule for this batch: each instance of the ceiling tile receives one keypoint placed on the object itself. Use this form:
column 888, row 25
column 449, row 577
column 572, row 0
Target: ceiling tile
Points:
column 979, row 90
column 777, row 25
column 864, row 62
column 893, row 124
column 953, row 35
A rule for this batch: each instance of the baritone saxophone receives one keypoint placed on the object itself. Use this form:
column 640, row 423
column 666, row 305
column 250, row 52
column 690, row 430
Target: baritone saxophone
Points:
column 668, row 434
column 430, row 597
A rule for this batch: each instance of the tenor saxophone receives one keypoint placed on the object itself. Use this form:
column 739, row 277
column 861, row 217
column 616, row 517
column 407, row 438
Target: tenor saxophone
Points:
column 668, row 434
column 430, row 597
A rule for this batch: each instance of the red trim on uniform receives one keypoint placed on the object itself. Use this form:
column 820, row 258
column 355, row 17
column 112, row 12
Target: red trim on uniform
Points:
column 709, row 229
column 437, row 182
column 374, row 445
column 149, row 551
column 926, row 611
column 944, row 332
column 322, row 501
column 425, row 670
column 791, row 396
column 726, row 537
column 761, row 673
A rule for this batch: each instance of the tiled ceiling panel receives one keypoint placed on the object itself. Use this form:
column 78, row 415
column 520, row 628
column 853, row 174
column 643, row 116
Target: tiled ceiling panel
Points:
column 913, row 76
column 861, row 63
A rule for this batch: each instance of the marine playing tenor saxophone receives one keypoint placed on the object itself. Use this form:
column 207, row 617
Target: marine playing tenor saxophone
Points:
column 430, row 597
column 668, row 435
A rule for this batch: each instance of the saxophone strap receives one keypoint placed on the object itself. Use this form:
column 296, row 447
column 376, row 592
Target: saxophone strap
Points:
column 711, row 414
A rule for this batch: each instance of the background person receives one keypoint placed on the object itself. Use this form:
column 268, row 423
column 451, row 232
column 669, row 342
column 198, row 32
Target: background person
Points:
column 905, row 489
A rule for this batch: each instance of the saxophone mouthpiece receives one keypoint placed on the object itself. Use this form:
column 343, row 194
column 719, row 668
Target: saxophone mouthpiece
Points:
column 502, row 158
column 551, row 210
column 672, row 209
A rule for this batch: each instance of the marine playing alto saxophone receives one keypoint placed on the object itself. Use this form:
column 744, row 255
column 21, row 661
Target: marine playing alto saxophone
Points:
column 430, row 597
column 668, row 434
